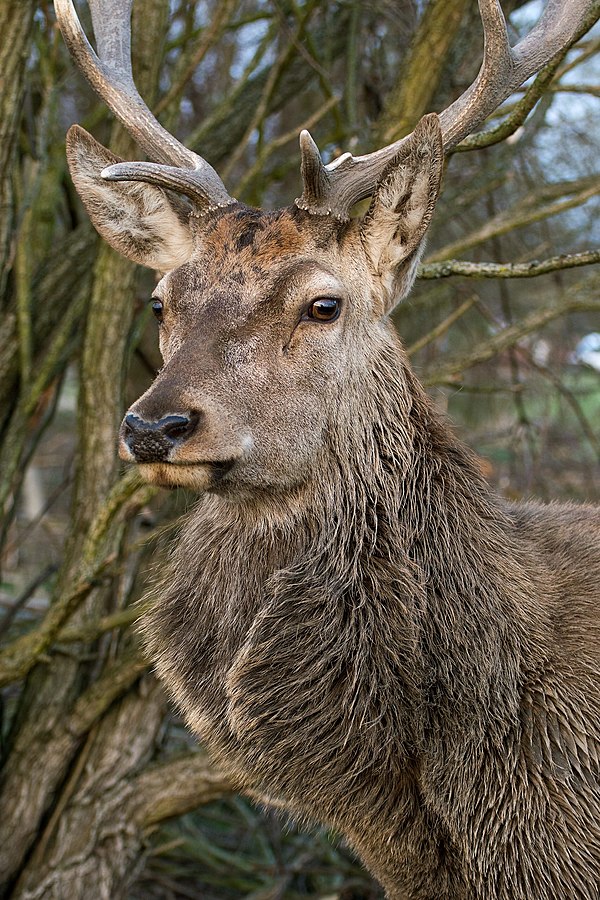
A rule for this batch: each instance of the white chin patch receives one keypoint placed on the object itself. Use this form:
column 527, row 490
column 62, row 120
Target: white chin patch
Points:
column 247, row 442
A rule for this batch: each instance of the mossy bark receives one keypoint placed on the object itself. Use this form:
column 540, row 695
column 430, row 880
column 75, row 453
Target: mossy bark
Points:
column 16, row 17
column 422, row 70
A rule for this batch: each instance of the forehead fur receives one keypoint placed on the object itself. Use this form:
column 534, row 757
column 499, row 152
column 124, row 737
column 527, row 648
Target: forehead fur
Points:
column 243, row 236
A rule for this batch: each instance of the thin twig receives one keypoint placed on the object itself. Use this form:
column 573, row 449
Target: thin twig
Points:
column 581, row 301
column 442, row 328
column 536, row 206
column 275, row 73
column 21, row 655
column 281, row 141
column 209, row 36
column 24, row 597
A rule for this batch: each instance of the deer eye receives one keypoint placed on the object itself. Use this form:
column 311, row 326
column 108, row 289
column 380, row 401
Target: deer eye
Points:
column 157, row 308
column 324, row 309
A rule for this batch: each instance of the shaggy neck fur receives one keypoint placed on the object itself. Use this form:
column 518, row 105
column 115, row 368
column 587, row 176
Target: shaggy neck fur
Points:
column 360, row 649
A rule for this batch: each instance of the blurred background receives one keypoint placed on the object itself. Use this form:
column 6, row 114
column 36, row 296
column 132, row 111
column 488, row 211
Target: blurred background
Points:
column 102, row 792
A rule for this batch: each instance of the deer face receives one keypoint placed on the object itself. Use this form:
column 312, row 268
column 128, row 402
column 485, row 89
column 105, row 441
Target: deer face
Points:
column 270, row 325
column 258, row 333
column 267, row 318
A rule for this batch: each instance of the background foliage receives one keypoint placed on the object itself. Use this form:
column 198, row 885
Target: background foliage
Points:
column 102, row 792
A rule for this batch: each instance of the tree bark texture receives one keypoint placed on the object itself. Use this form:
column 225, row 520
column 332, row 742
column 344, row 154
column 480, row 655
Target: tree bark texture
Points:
column 16, row 17
column 420, row 75
column 91, row 845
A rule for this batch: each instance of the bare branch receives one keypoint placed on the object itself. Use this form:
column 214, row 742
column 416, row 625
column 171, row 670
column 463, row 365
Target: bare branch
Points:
column 580, row 299
column 176, row 787
column 412, row 95
column 209, row 36
column 257, row 168
column 89, row 632
column 20, row 656
column 442, row 328
column 534, row 207
column 507, row 270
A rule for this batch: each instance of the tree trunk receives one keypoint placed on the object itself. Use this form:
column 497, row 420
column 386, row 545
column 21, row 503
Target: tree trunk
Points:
column 16, row 17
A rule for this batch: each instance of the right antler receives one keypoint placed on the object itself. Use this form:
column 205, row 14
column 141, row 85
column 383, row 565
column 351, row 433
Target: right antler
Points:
column 109, row 73
column 335, row 188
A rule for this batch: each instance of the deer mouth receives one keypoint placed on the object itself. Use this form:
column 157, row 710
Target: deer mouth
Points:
column 220, row 467
column 200, row 475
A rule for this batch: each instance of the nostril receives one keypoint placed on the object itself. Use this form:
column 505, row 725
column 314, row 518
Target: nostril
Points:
column 131, row 423
column 177, row 428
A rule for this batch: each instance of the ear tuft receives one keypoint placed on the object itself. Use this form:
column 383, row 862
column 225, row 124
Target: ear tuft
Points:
column 393, row 230
column 139, row 220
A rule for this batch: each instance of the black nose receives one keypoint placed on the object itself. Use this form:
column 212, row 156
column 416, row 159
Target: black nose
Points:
column 153, row 441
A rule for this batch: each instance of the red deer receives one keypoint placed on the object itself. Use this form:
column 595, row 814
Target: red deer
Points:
column 352, row 622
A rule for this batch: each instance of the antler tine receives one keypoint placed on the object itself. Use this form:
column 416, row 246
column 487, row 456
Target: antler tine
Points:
column 109, row 73
column 505, row 68
column 349, row 179
column 315, row 179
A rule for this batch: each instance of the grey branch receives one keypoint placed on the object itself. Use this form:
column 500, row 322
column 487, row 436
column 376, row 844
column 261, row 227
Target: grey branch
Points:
column 507, row 270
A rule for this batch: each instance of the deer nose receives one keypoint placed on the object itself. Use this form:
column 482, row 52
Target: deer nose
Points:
column 153, row 441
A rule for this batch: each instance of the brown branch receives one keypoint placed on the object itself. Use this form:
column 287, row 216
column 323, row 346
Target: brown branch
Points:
column 89, row 632
column 208, row 37
column 592, row 89
column 112, row 684
column 22, row 599
column 282, row 61
column 20, row 656
column 292, row 135
column 534, row 207
column 586, row 49
column 442, row 328
column 569, row 396
column 177, row 787
column 414, row 91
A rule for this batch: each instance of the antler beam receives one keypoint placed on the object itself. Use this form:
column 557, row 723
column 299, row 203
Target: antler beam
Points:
column 336, row 187
column 109, row 73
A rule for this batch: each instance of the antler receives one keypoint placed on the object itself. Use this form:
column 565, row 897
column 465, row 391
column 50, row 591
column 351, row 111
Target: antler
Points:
column 334, row 188
column 109, row 73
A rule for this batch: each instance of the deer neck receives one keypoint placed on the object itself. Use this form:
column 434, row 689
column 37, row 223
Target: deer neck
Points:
column 392, row 569
column 397, row 506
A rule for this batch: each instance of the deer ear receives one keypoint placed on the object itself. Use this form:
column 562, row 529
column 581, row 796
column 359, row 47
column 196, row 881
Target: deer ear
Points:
column 393, row 230
column 139, row 220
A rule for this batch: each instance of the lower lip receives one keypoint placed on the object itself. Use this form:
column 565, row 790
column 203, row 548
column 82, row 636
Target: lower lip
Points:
column 198, row 475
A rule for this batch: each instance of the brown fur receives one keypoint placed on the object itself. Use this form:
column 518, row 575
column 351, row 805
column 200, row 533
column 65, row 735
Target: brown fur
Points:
column 352, row 621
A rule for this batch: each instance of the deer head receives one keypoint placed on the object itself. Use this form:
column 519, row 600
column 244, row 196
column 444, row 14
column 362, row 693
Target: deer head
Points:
column 271, row 324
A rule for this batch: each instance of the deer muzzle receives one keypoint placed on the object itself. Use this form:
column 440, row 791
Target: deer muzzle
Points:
column 149, row 442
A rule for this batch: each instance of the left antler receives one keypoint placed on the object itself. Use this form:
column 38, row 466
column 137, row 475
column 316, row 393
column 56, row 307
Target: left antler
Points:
column 334, row 188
